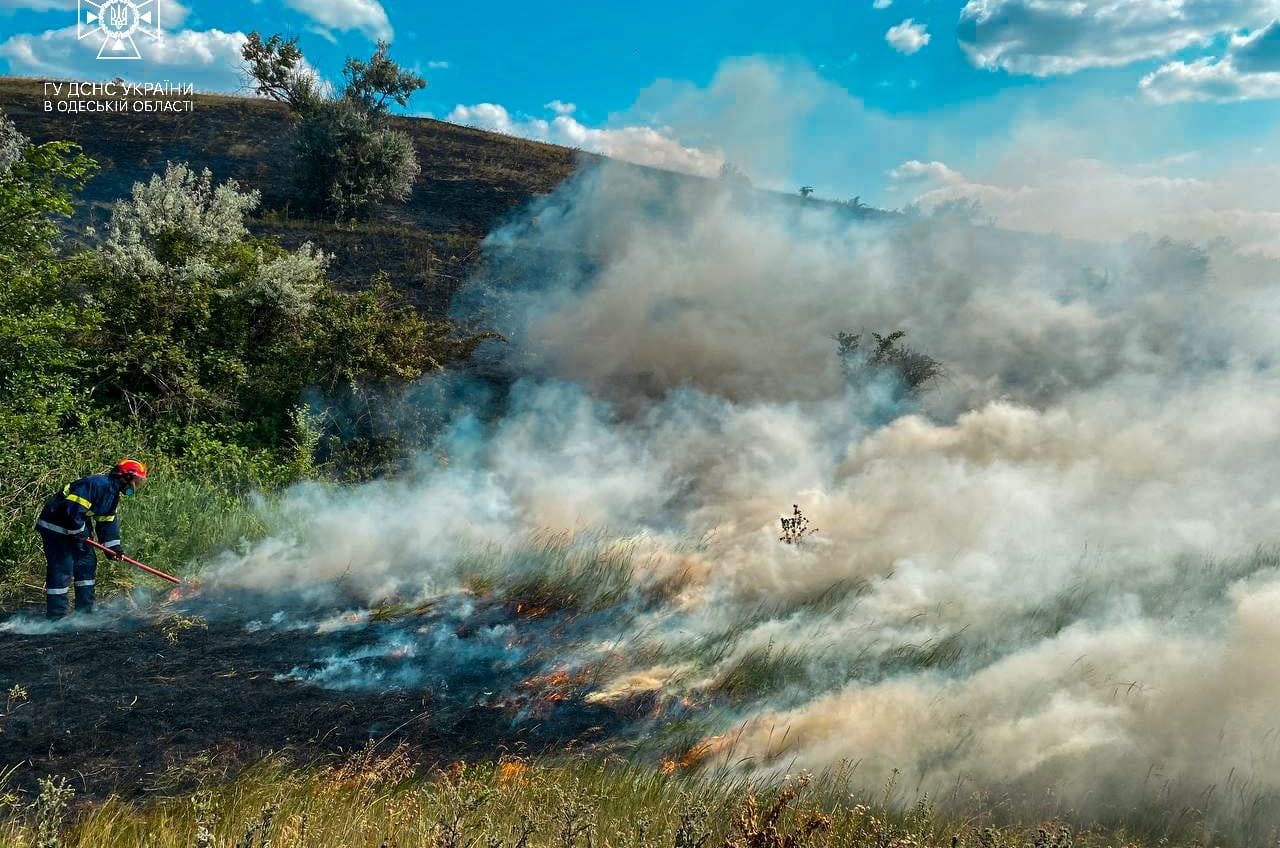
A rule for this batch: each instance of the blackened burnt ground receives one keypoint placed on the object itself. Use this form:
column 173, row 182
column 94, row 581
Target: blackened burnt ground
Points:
column 145, row 705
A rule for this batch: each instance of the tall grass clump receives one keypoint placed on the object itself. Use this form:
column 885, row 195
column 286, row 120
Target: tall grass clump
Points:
column 553, row 571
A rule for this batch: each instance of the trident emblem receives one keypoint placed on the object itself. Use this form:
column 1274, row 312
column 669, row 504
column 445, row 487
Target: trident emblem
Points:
column 117, row 22
column 119, row 17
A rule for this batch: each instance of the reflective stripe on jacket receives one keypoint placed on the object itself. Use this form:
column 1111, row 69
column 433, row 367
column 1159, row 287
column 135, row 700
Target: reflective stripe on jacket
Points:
column 90, row 499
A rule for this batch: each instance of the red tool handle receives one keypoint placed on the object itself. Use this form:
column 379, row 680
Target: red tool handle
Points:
column 134, row 562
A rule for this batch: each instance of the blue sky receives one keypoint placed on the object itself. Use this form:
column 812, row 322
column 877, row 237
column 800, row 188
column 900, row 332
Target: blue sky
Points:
column 843, row 95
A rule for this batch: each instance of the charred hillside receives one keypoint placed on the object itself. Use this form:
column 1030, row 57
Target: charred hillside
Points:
column 471, row 180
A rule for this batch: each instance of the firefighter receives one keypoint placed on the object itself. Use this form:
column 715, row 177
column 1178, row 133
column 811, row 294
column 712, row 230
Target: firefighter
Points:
column 69, row 517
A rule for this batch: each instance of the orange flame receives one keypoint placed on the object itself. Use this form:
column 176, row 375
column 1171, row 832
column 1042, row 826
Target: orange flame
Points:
column 512, row 771
column 184, row 590
column 696, row 756
column 529, row 610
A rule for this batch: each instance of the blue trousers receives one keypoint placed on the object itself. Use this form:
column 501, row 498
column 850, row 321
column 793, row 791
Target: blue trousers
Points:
column 68, row 560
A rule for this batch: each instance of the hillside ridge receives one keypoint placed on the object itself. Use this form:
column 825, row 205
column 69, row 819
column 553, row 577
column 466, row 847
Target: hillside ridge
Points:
column 471, row 180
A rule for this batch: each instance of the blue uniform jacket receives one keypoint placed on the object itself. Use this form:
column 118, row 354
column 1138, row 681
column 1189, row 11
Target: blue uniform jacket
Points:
column 89, row 500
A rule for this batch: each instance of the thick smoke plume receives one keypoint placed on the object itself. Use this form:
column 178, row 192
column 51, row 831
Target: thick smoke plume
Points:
column 1049, row 574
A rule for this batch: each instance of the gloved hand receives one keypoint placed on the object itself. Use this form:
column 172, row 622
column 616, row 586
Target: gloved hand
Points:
column 85, row 533
column 115, row 552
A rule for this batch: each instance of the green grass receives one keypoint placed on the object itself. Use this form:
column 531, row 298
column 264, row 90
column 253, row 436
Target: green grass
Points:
column 172, row 524
column 762, row 671
column 384, row 800
column 554, row 571
column 177, row 519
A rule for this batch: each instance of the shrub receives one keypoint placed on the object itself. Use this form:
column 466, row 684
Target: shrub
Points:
column 348, row 159
column 12, row 143
column 370, row 84
column 202, row 324
column 910, row 369
column 347, row 163
column 734, row 177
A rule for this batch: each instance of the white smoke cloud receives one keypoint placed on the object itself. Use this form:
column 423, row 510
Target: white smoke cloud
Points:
column 1093, row 199
column 1088, row 440
column 1039, row 575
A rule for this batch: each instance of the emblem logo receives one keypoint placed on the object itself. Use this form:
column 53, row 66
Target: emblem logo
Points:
column 118, row 21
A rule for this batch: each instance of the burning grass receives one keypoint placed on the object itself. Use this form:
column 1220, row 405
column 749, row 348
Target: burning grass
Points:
column 555, row 572
column 378, row 798
column 760, row 672
column 552, row 647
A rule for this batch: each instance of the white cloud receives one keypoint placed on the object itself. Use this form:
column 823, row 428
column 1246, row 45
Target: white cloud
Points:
column 1208, row 80
column 561, row 108
column 1095, row 200
column 1259, row 51
column 1250, row 70
column 327, row 34
column 907, row 37
column 643, row 145
column 1045, row 37
column 438, row 65
column 882, row 4
column 485, row 116
column 1173, row 160
column 9, row 6
column 174, row 12
column 209, row 59
column 365, row 16
column 915, row 172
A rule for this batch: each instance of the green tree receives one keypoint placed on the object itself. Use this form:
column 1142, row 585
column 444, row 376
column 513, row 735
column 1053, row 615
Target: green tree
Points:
column 348, row 158
column 276, row 69
column 911, row 370
column 37, row 185
column 370, row 84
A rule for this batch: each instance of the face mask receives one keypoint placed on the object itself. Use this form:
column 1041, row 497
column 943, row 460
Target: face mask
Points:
column 127, row 491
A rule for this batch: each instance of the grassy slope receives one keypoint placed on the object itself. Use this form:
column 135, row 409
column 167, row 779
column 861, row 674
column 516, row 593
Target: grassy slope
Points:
column 470, row 179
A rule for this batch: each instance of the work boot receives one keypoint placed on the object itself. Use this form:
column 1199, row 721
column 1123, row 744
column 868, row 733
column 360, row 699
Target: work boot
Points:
column 55, row 604
column 84, row 597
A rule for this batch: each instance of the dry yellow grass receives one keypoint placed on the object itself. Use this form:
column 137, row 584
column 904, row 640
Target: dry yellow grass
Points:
column 379, row 799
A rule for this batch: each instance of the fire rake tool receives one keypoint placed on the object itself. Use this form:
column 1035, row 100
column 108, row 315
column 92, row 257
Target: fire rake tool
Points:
column 157, row 572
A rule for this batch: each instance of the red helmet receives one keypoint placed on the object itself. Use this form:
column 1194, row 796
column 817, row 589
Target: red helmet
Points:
column 132, row 467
